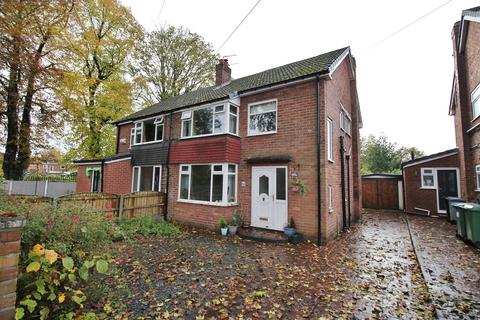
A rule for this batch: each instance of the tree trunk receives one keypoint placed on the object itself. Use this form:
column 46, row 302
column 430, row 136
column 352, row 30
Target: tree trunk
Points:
column 93, row 144
column 11, row 147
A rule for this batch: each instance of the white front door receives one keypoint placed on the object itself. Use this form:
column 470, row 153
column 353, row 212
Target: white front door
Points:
column 269, row 197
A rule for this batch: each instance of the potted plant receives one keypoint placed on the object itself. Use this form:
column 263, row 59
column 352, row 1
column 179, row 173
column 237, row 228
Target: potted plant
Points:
column 236, row 222
column 289, row 229
column 223, row 226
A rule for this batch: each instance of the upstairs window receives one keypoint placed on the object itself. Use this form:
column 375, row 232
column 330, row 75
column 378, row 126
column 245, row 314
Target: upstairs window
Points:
column 210, row 120
column 428, row 178
column 476, row 102
column 150, row 130
column 262, row 118
column 345, row 121
column 132, row 137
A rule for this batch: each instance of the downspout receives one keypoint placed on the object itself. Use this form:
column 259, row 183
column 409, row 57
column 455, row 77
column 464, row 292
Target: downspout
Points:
column 342, row 173
column 347, row 157
column 101, row 174
column 319, row 184
column 165, row 214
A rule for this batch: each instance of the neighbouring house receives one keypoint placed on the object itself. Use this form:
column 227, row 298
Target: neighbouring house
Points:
column 279, row 144
column 429, row 180
column 46, row 168
column 465, row 100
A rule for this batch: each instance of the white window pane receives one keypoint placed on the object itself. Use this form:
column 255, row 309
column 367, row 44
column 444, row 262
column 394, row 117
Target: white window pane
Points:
column 264, row 107
column 263, row 122
column 428, row 181
column 232, row 168
column 146, row 179
column 200, row 182
column 217, row 168
column 159, row 134
column 231, row 188
column 219, row 108
column 184, row 186
column 233, row 124
column 135, row 179
column 184, row 168
column 158, row 120
column 219, row 123
column 187, row 128
column 217, row 188
column 186, row 115
column 156, row 179
column 476, row 108
column 233, row 109
column 203, row 121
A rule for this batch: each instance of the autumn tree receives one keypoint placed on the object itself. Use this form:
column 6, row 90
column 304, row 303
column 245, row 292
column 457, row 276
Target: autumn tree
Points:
column 96, row 87
column 29, row 31
column 172, row 61
column 379, row 155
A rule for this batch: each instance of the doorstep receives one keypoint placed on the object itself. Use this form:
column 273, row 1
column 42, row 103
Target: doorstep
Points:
column 262, row 235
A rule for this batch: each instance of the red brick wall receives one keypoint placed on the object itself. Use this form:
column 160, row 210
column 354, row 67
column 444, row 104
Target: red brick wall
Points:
column 206, row 150
column 124, row 132
column 467, row 65
column 415, row 196
column 117, row 177
column 340, row 90
column 84, row 182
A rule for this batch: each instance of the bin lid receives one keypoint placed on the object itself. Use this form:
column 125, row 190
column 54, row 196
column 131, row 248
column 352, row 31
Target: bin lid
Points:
column 468, row 206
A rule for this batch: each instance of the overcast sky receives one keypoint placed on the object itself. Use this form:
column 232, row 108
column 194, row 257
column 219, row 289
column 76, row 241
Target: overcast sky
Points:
column 404, row 82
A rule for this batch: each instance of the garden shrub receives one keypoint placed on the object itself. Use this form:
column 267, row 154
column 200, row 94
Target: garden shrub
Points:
column 53, row 285
column 145, row 226
column 72, row 231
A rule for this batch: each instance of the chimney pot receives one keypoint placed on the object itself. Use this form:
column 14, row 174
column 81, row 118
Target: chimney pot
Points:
column 223, row 73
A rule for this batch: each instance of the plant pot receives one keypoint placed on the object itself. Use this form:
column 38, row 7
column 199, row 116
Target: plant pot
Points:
column 289, row 231
column 232, row 229
column 224, row 231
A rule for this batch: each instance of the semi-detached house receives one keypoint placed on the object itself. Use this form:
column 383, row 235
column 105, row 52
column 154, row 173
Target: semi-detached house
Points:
column 251, row 144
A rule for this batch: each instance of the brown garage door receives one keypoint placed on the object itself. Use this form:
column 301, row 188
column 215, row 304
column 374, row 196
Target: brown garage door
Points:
column 380, row 193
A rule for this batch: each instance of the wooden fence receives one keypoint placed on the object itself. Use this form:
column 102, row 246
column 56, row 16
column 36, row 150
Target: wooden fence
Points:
column 146, row 203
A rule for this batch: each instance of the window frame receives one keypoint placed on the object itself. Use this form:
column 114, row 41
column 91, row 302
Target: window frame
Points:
column 477, row 175
column 249, row 134
column 92, row 179
column 225, row 174
column 330, row 198
column 433, row 174
column 475, row 99
column 139, row 126
column 330, row 140
column 345, row 115
column 132, row 137
column 226, row 116
column 153, row 178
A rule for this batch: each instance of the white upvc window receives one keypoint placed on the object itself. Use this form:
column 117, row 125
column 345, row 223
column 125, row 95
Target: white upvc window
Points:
column 476, row 102
column 132, row 137
column 146, row 178
column 211, row 120
column 428, row 178
column 345, row 121
column 208, row 183
column 477, row 174
column 330, row 198
column 148, row 131
column 262, row 117
column 329, row 139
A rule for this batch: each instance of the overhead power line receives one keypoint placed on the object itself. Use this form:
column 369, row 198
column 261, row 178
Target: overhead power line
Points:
column 244, row 18
column 159, row 13
column 409, row 24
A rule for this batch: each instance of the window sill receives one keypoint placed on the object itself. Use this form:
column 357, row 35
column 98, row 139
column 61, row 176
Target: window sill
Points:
column 144, row 143
column 207, row 203
column 330, row 210
column 477, row 190
column 261, row 134
column 428, row 188
column 331, row 161
column 210, row 135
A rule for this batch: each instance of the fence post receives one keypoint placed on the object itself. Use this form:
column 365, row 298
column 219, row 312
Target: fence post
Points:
column 10, row 186
column 120, row 209
column 46, row 188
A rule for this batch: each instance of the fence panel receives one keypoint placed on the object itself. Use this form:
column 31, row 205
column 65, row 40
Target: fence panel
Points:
column 146, row 203
column 104, row 202
column 39, row 188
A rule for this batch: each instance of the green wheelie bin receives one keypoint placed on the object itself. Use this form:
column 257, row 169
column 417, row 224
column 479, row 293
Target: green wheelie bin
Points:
column 472, row 223
column 460, row 217
column 451, row 210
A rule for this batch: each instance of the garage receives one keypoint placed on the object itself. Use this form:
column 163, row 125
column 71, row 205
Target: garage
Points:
column 382, row 191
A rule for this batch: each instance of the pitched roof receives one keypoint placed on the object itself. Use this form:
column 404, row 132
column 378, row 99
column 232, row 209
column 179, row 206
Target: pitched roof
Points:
column 293, row 71
column 475, row 12
column 442, row 154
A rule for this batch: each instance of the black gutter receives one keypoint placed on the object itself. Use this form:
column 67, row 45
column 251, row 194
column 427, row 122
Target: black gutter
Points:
column 319, row 184
column 348, row 189
column 118, row 138
column 342, row 173
column 165, row 209
column 101, row 175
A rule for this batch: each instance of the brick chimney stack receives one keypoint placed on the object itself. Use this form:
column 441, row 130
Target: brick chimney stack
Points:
column 223, row 73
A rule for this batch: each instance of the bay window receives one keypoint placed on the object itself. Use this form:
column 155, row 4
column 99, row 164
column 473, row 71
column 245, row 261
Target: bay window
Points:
column 211, row 183
column 149, row 130
column 210, row 120
column 146, row 178
column 262, row 117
